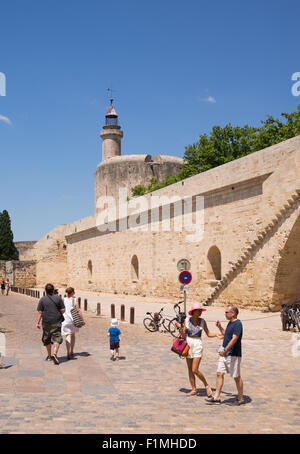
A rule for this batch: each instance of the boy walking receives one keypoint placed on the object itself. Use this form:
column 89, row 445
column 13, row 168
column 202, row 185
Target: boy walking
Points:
column 114, row 339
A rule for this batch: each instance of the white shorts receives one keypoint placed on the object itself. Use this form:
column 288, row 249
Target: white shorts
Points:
column 230, row 365
column 196, row 347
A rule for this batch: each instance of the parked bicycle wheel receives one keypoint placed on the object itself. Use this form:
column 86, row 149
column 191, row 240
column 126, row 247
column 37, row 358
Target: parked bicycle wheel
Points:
column 150, row 325
column 172, row 328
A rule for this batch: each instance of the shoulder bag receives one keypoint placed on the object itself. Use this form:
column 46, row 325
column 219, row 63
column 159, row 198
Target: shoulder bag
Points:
column 77, row 320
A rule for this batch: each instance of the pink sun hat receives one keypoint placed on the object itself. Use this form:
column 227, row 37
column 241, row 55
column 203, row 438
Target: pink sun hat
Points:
column 196, row 306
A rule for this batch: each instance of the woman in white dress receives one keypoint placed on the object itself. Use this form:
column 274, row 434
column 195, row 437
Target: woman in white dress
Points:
column 67, row 328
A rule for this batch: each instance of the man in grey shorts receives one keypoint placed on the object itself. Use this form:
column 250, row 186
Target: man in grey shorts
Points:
column 230, row 356
column 50, row 310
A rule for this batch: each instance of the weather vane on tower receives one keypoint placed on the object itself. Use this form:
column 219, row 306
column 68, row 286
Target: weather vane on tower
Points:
column 110, row 91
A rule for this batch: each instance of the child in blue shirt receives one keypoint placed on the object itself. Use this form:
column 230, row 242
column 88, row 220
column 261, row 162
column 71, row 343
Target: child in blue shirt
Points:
column 114, row 339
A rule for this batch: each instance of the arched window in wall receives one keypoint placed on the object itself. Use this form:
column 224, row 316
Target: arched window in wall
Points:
column 134, row 269
column 90, row 270
column 214, row 264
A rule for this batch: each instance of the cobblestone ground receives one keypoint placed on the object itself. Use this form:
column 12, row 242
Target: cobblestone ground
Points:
column 144, row 392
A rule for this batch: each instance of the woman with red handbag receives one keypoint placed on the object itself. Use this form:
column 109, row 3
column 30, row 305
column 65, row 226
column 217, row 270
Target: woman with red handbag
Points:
column 193, row 327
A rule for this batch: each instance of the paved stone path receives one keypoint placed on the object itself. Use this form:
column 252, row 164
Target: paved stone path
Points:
column 145, row 392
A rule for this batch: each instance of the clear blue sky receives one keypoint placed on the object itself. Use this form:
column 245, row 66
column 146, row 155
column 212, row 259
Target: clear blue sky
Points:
column 178, row 68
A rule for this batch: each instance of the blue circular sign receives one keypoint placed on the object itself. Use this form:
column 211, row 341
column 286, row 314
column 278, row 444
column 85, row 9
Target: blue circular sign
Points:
column 185, row 277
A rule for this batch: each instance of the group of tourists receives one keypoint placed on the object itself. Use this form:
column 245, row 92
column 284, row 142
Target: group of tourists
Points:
column 5, row 287
column 58, row 321
column 230, row 352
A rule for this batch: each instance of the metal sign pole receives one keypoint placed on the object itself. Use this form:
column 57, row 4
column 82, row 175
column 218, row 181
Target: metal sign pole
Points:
column 184, row 297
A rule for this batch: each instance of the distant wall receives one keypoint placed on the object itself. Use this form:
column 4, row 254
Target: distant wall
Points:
column 51, row 258
column 24, row 272
column 26, row 249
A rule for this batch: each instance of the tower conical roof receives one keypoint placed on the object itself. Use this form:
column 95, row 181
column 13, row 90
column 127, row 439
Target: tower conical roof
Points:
column 111, row 110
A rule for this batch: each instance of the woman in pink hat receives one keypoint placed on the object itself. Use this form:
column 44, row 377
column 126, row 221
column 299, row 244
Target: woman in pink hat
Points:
column 193, row 327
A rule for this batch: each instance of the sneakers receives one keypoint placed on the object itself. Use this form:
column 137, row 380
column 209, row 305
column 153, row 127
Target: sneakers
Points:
column 55, row 359
column 212, row 401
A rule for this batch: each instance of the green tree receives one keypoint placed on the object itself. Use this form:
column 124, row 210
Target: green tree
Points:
column 222, row 145
column 274, row 131
column 8, row 251
column 225, row 144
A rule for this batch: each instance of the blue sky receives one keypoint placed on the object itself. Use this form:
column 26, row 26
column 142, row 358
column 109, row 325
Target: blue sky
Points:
column 177, row 68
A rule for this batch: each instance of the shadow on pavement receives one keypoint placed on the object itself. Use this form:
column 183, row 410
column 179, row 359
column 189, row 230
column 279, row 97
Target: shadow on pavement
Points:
column 64, row 359
column 202, row 392
column 232, row 402
column 82, row 354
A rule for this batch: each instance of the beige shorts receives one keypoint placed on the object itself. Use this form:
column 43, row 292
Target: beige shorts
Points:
column 196, row 347
column 230, row 365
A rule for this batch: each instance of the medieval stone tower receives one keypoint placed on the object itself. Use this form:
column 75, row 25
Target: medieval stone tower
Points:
column 116, row 171
column 111, row 134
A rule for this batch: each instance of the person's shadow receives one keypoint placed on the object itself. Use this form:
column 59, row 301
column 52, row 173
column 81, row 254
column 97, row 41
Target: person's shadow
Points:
column 64, row 359
column 200, row 392
column 231, row 402
column 84, row 354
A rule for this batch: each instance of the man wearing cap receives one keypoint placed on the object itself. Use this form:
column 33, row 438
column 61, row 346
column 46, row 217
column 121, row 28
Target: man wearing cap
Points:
column 230, row 356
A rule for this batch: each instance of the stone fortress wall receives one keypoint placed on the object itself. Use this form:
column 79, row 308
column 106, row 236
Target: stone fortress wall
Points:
column 239, row 199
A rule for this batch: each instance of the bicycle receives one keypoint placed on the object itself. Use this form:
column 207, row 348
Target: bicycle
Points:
column 293, row 315
column 154, row 322
column 290, row 315
column 157, row 321
column 180, row 317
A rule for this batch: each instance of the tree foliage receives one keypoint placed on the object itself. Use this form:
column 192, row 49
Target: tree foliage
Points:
column 224, row 144
column 8, row 251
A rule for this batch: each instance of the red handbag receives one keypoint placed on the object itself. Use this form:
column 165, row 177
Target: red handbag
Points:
column 180, row 347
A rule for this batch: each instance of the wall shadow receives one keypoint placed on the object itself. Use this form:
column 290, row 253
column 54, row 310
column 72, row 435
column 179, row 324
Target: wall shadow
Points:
column 287, row 280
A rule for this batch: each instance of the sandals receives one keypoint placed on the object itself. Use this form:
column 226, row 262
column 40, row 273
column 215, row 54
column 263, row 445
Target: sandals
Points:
column 48, row 358
column 210, row 392
column 192, row 393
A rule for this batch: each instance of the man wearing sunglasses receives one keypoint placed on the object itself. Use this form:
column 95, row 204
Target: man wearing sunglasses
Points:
column 230, row 355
